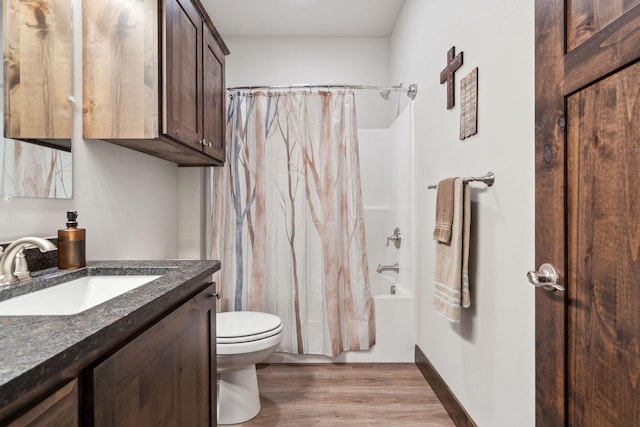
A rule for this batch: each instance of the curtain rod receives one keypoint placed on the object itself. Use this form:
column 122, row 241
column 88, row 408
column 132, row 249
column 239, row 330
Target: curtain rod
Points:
column 412, row 90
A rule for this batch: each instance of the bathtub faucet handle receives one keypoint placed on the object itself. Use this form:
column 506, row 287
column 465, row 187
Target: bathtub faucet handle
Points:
column 396, row 238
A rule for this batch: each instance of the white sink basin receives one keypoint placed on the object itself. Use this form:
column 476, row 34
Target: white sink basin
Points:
column 71, row 297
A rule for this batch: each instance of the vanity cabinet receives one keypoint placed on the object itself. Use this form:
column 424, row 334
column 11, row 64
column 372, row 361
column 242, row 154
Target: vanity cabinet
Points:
column 153, row 79
column 166, row 375
column 60, row 409
column 147, row 353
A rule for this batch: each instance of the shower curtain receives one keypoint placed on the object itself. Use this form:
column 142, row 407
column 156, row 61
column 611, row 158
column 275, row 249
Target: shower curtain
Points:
column 288, row 220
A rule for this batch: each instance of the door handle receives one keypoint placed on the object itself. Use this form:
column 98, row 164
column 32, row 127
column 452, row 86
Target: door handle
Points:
column 547, row 278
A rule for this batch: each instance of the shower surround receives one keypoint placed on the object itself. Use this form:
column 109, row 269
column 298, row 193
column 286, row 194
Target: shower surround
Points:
column 386, row 167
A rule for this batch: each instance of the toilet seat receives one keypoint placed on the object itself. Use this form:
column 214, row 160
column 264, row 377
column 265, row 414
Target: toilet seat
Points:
column 245, row 326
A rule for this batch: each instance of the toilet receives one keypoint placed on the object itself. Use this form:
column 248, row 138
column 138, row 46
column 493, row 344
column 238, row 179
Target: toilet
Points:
column 243, row 338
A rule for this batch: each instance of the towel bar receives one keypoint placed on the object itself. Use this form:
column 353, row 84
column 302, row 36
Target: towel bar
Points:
column 488, row 179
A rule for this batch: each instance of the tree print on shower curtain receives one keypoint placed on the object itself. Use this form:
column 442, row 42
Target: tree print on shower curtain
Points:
column 30, row 170
column 288, row 219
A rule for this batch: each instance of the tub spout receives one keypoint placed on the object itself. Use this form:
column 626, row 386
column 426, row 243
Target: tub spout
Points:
column 395, row 267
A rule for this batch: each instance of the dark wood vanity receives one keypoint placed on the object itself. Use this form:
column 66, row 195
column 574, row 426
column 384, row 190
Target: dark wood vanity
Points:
column 144, row 358
column 164, row 376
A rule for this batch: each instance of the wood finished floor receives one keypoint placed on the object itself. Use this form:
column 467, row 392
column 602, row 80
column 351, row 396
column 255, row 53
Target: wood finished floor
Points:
column 354, row 395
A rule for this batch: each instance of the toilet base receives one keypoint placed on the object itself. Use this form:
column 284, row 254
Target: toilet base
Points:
column 238, row 396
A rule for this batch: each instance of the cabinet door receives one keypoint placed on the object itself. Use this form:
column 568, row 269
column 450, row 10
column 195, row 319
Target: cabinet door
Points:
column 213, row 112
column 59, row 409
column 164, row 377
column 37, row 65
column 120, row 69
column 182, row 79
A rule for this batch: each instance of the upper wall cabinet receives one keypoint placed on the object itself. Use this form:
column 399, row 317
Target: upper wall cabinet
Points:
column 37, row 70
column 214, row 89
column 160, row 95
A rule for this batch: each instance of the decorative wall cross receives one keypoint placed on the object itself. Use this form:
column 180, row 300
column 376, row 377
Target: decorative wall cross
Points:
column 447, row 75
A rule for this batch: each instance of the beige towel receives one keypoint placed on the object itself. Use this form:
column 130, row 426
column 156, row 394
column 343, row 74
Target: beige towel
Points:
column 444, row 211
column 452, row 260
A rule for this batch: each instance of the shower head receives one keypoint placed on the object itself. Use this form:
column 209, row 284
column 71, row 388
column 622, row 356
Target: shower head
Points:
column 385, row 94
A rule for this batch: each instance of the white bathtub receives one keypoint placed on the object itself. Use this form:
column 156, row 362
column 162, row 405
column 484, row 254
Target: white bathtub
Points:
column 395, row 334
column 382, row 286
column 394, row 322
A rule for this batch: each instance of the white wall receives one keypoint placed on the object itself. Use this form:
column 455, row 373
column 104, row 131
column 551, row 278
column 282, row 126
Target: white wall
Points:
column 386, row 170
column 488, row 359
column 192, row 207
column 127, row 201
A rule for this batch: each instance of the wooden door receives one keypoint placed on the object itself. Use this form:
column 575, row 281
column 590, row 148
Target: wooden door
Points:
column 183, row 67
column 164, row 377
column 213, row 87
column 588, row 212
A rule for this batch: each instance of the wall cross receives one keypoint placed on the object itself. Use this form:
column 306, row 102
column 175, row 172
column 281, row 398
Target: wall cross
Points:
column 454, row 62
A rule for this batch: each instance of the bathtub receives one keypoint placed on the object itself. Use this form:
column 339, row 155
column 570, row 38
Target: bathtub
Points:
column 395, row 330
column 384, row 286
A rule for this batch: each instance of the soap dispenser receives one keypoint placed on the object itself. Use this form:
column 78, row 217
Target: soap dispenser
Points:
column 72, row 244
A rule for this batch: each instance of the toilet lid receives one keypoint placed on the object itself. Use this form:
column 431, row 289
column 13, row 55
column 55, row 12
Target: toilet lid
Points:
column 239, row 326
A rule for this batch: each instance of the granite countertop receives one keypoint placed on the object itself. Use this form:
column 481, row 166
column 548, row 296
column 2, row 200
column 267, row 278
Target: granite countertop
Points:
column 34, row 349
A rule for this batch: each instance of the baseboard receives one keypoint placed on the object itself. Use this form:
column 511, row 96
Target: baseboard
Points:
column 451, row 404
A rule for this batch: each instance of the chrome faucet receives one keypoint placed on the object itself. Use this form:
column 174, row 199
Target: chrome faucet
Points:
column 395, row 267
column 9, row 255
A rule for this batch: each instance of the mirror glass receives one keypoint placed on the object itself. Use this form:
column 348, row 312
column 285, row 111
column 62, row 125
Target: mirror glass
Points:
column 36, row 83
